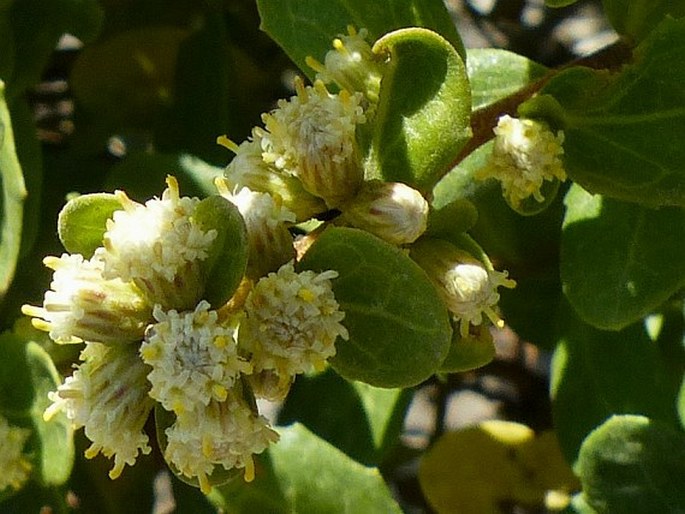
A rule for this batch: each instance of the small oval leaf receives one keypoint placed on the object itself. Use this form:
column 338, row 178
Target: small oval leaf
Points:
column 82, row 222
column 227, row 260
column 398, row 325
column 423, row 115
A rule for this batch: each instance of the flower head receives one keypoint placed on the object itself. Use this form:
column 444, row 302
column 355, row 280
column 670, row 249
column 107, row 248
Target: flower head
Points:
column 266, row 219
column 193, row 357
column 525, row 154
column 83, row 305
column 14, row 465
column 313, row 137
column 108, row 395
column 392, row 211
column 248, row 169
column 158, row 247
column 223, row 434
column 351, row 64
column 467, row 286
column 292, row 322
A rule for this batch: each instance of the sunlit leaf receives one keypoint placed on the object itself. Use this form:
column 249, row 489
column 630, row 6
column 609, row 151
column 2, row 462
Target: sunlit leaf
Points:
column 82, row 222
column 304, row 474
column 596, row 374
column 398, row 325
column 513, row 466
column 619, row 261
column 633, row 464
column 495, row 74
column 423, row 115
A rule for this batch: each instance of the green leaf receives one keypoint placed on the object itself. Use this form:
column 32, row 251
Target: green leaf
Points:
column 633, row 464
column 82, row 222
column 37, row 26
column 513, row 466
column 398, row 325
column 467, row 353
column 596, row 374
column 620, row 261
column 326, row 403
column 495, row 74
column 12, row 199
column 559, row 3
column 423, row 114
column 305, row 28
column 27, row 375
column 623, row 130
column 227, row 257
column 304, row 474
column 636, row 18
column 681, row 403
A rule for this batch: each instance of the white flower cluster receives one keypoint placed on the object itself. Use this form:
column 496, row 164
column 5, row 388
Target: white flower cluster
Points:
column 525, row 154
column 307, row 157
column 152, row 340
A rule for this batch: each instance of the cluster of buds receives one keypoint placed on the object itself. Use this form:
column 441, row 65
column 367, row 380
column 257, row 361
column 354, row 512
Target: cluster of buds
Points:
column 308, row 158
column 152, row 340
column 526, row 157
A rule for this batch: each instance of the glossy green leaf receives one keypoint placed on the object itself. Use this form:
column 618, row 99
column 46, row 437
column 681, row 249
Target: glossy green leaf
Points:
column 308, row 27
column 596, row 374
column 27, row 375
column 37, row 26
column 326, row 403
column 633, row 464
column 304, row 474
column 620, row 261
column 636, row 18
column 13, row 195
column 423, row 115
column 227, row 257
column 128, row 79
column 495, row 74
column 513, row 466
column 141, row 173
column 623, row 130
column 82, row 222
column 398, row 325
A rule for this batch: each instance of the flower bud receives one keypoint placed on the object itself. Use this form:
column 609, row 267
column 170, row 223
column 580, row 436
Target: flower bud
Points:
column 266, row 219
column 467, row 286
column 392, row 211
column 313, row 137
column 247, row 169
column 525, row 154
column 158, row 247
column 83, row 305
column 351, row 65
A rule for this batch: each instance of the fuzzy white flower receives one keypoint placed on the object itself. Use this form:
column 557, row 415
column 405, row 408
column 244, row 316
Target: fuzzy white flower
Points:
column 313, row 137
column 83, row 305
column 13, row 462
column 525, row 154
column 467, row 286
column 351, row 64
column 193, row 356
column 158, row 246
column 292, row 322
column 392, row 211
column 248, row 169
column 266, row 221
column 108, row 395
column 224, row 434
